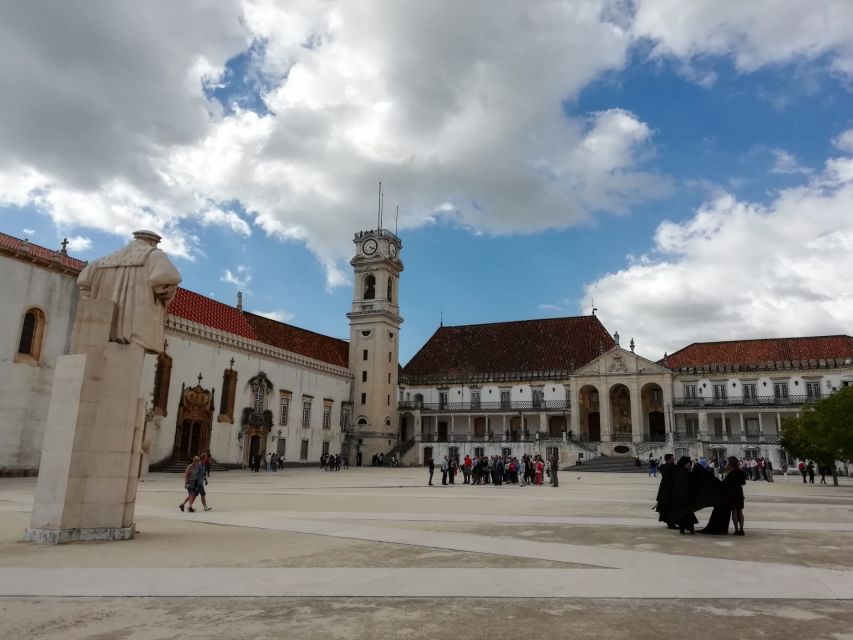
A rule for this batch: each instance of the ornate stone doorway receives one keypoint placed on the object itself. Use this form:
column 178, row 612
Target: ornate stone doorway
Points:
column 194, row 420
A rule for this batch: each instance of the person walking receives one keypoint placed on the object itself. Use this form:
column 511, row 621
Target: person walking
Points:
column 802, row 468
column 733, row 483
column 190, row 484
column 555, row 465
column 810, row 471
column 445, row 467
column 653, row 467
column 431, row 466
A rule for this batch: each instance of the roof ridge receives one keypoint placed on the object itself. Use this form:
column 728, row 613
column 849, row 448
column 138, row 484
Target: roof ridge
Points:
column 485, row 324
column 287, row 324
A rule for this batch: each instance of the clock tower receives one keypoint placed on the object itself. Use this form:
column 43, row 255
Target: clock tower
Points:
column 374, row 340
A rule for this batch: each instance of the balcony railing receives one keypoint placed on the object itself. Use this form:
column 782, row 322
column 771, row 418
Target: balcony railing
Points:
column 744, row 401
column 486, row 407
column 543, row 438
column 743, row 438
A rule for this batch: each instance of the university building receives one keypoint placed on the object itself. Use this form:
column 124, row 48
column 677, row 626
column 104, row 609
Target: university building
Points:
column 239, row 384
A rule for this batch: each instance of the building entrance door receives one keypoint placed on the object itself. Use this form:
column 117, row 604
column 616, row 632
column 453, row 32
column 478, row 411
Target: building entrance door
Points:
column 657, row 426
column 442, row 432
column 594, row 419
column 193, row 424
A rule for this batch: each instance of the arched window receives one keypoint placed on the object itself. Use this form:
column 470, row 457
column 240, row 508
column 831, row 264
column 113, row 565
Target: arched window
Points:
column 162, row 377
column 369, row 287
column 32, row 331
column 390, row 289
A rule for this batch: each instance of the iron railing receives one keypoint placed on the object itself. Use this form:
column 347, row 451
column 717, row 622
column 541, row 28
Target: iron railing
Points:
column 482, row 406
column 744, row 401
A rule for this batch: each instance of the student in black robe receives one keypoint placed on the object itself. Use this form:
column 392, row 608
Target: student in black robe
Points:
column 718, row 524
column 733, row 484
column 695, row 489
column 665, row 499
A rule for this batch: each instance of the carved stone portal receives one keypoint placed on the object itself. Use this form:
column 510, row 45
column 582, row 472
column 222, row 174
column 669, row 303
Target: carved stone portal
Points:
column 194, row 422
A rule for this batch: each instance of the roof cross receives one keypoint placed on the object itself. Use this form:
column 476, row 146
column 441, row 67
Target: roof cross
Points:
column 64, row 244
column 199, row 378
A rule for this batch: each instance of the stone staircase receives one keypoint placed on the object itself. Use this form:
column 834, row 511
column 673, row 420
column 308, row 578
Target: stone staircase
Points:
column 400, row 450
column 171, row 466
column 612, row 464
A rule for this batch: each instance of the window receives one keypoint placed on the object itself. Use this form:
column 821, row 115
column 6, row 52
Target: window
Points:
column 479, row 452
column 453, row 453
column 751, row 425
column 281, row 447
column 538, row 398
column 390, row 289
column 364, row 355
column 690, row 391
column 162, row 376
column 552, row 452
column 505, row 401
column 750, row 453
column 720, row 391
column 325, row 450
column 390, row 354
column 259, row 401
column 389, row 399
column 344, row 417
column 389, row 377
column 692, row 426
column 656, row 396
column 721, row 427
column 369, row 287
column 327, row 416
column 32, row 330
column 475, row 399
column 303, row 450
column 363, row 398
column 364, row 376
column 229, row 390
column 306, row 413
column 283, row 406
column 506, row 452
column 749, row 392
column 362, row 421
column 442, row 399
column 780, row 390
column 813, row 390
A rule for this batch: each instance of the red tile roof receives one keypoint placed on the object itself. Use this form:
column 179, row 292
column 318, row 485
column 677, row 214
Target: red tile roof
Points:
column 301, row 341
column 752, row 353
column 198, row 308
column 526, row 346
column 23, row 249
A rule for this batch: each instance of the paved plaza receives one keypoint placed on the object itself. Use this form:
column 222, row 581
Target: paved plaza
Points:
column 376, row 553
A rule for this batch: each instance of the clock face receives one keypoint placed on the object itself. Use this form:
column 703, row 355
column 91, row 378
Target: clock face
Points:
column 369, row 247
column 393, row 249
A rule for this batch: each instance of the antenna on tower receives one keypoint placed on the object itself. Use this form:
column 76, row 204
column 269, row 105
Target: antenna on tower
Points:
column 441, row 321
column 381, row 208
column 396, row 218
column 379, row 211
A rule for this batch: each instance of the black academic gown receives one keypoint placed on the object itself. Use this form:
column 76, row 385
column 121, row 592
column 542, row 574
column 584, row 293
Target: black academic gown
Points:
column 696, row 490
column 665, row 498
column 718, row 524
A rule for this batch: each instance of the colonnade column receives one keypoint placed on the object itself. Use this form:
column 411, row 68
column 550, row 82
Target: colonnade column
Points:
column 605, row 414
column 637, row 426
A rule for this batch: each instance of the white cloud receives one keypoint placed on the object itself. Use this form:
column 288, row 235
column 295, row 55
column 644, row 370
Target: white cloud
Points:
column 785, row 163
column 754, row 33
column 844, row 141
column 449, row 102
column 280, row 315
column 741, row 270
column 240, row 277
column 79, row 243
column 226, row 219
column 29, row 232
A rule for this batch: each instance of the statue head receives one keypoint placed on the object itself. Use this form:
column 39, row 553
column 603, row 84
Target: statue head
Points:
column 148, row 236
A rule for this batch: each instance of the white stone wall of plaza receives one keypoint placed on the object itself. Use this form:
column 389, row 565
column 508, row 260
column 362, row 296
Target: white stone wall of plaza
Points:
column 240, row 385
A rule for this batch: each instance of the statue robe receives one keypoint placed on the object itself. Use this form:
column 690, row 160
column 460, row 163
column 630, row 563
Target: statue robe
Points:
column 141, row 281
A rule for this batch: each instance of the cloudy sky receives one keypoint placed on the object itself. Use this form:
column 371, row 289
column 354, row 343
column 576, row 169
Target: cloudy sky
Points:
column 686, row 168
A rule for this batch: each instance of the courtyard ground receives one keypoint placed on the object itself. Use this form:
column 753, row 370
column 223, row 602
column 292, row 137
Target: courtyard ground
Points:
column 376, row 553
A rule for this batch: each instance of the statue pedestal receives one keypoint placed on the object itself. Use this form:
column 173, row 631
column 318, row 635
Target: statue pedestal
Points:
column 93, row 440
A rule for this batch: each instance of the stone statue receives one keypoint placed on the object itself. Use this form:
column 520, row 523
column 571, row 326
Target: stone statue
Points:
column 141, row 282
column 94, row 443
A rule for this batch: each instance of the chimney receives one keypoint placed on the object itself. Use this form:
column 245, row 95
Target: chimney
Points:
column 239, row 301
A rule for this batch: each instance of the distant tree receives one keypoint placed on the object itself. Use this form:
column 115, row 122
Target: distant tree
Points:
column 823, row 432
